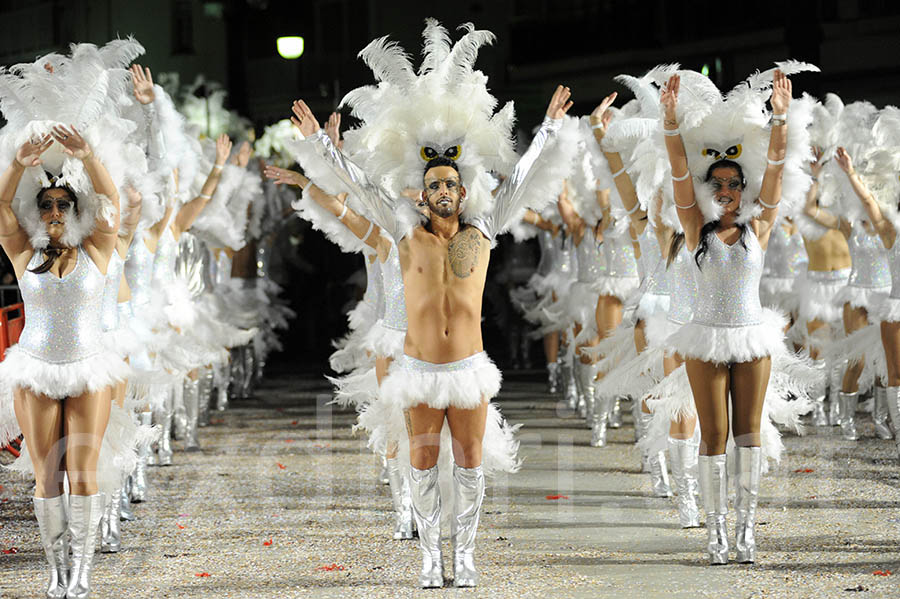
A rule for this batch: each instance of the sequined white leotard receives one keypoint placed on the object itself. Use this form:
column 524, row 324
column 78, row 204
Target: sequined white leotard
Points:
column 583, row 293
column 785, row 262
column 654, row 290
column 728, row 323
column 387, row 336
column 870, row 274
column 621, row 277
column 60, row 352
column 888, row 308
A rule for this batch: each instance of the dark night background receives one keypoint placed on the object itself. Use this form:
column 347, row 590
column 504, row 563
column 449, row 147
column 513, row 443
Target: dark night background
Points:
column 540, row 43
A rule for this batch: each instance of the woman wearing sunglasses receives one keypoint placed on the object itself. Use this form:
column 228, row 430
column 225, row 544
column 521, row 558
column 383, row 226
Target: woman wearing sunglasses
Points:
column 60, row 374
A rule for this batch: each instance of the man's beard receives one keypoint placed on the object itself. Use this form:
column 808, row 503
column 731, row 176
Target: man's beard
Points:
column 444, row 209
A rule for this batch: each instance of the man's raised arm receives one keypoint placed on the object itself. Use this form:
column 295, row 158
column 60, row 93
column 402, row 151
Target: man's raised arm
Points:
column 507, row 201
column 378, row 204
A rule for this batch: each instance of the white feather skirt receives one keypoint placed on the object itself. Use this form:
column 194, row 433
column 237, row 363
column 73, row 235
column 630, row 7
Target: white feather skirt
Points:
column 887, row 309
column 722, row 344
column 860, row 297
column 58, row 381
column 462, row 384
column 817, row 298
column 384, row 341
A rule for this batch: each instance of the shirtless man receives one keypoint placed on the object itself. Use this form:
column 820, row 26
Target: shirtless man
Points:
column 828, row 271
column 444, row 371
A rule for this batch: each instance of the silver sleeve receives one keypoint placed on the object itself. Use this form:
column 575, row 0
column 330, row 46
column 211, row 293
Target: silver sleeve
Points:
column 156, row 141
column 378, row 204
column 510, row 195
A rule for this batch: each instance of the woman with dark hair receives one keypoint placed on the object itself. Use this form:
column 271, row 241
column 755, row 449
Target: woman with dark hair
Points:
column 734, row 358
column 60, row 374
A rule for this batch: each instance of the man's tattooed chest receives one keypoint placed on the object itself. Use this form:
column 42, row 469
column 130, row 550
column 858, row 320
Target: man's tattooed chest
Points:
column 463, row 251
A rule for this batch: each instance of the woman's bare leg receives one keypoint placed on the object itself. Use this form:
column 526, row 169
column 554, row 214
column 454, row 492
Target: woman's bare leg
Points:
column 749, row 381
column 683, row 428
column 382, row 364
column 710, row 384
column 854, row 320
column 811, row 327
column 85, row 419
column 890, row 340
column 41, row 421
column 551, row 346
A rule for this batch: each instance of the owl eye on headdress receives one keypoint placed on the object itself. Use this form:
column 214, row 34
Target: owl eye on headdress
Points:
column 732, row 153
column 430, row 151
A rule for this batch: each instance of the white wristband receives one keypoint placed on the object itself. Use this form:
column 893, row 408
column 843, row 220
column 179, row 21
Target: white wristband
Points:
column 683, row 177
column 218, row 167
column 305, row 187
column 773, row 206
column 688, row 207
column 672, row 132
column 619, row 172
column 775, row 162
column 343, row 212
column 597, row 126
column 205, row 197
column 369, row 232
column 780, row 116
column 635, row 208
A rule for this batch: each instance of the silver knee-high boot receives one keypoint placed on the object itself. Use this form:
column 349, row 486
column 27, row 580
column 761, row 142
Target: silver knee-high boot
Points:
column 747, row 469
column 849, row 403
column 836, row 379
column 179, row 414
column 819, row 415
column 586, row 374
column 600, row 427
column 880, row 415
column 125, row 512
column 164, row 419
column 110, row 532
column 205, row 396
column 383, row 478
column 84, row 523
column 580, row 403
column 570, row 391
column 683, row 455
column 191, row 393
column 426, row 506
column 139, row 477
column 714, row 492
column 221, row 377
column 615, row 415
column 552, row 378
column 400, row 496
column 636, row 417
column 52, row 522
column 892, row 398
column 659, row 471
column 468, row 493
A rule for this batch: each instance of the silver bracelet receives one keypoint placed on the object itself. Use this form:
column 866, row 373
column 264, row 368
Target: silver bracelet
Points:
column 205, row 196
column 218, row 167
column 619, row 172
column 773, row 206
column 369, row 232
column 343, row 212
column 305, row 187
column 775, row 162
column 683, row 177
column 672, row 132
column 688, row 207
column 780, row 116
column 597, row 126
column 634, row 208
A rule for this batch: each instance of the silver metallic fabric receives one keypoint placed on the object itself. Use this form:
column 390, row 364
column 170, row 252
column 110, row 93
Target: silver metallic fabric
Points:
column 401, row 499
column 682, row 288
column 63, row 323
column 53, row 525
column 713, row 477
column 426, row 506
column 683, row 455
column 84, row 524
column 849, row 403
column 394, row 298
column 109, row 319
column 468, row 494
column 748, row 465
column 870, row 265
column 728, row 283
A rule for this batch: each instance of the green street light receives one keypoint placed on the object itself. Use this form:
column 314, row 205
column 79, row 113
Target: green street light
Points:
column 290, row 47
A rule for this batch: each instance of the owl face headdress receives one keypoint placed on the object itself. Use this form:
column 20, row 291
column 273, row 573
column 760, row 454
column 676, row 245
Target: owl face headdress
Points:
column 444, row 109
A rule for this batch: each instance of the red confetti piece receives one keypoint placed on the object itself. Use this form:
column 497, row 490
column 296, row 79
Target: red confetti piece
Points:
column 555, row 497
column 882, row 573
column 180, row 527
column 217, row 421
column 202, row 575
column 804, row 470
column 294, row 422
column 331, row 568
column 280, row 465
column 288, row 440
column 267, row 543
column 10, row 551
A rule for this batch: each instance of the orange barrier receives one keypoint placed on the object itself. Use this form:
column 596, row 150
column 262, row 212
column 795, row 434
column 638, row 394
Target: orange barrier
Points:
column 12, row 321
